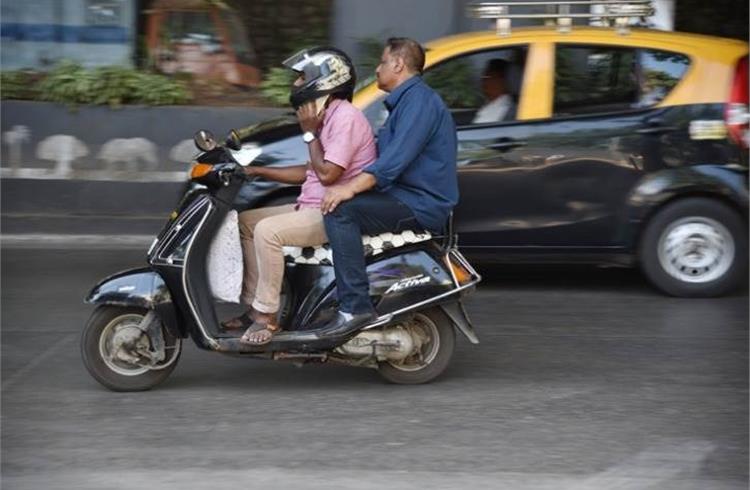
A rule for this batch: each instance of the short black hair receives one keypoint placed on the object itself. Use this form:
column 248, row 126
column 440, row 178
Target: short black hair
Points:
column 496, row 66
column 410, row 50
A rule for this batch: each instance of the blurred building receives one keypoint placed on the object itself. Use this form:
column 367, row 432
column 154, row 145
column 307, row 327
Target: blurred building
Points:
column 38, row 33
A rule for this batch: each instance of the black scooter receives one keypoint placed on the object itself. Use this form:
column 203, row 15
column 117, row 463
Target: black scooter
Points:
column 133, row 339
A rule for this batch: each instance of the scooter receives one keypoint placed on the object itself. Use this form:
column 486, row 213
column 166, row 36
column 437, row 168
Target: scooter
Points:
column 133, row 339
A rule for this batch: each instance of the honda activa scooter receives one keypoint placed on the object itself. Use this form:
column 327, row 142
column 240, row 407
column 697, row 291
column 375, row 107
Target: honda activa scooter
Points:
column 133, row 339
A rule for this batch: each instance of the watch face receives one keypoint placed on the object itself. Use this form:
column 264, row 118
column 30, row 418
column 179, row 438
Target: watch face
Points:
column 308, row 137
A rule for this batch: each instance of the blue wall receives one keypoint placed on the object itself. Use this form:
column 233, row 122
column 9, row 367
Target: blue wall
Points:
column 39, row 33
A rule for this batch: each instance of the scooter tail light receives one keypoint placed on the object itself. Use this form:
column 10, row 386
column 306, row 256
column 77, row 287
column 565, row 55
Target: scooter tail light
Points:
column 200, row 170
column 462, row 275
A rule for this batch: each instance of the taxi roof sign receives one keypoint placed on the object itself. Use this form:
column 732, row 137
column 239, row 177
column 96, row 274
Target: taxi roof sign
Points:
column 621, row 13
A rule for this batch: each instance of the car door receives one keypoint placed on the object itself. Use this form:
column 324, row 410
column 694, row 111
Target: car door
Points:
column 559, row 182
column 509, row 171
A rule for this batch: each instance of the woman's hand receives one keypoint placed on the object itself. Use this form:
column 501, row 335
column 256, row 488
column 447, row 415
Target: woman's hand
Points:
column 308, row 119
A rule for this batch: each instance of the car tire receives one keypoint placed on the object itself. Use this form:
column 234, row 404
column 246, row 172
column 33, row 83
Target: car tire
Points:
column 695, row 247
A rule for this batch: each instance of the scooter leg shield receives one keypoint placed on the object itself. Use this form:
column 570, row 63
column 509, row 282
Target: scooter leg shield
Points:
column 141, row 287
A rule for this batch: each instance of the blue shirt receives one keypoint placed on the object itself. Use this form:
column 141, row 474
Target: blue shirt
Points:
column 417, row 154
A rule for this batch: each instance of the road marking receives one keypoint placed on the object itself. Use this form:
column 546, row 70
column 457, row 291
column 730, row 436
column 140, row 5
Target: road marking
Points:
column 656, row 465
column 354, row 478
column 21, row 373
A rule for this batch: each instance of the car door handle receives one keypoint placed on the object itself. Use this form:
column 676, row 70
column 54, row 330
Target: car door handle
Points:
column 655, row 126
column 505, row 144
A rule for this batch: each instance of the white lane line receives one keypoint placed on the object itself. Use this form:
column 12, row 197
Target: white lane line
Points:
column 21, row 373
column 655, row 465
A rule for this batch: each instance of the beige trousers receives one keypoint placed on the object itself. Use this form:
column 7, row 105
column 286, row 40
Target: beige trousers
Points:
column 264, row 232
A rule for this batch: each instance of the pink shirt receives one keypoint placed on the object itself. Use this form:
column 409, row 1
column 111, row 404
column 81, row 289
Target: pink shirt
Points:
column 347, row 141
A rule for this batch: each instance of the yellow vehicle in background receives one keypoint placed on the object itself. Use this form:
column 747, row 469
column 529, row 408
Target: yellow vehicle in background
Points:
column 611, row 145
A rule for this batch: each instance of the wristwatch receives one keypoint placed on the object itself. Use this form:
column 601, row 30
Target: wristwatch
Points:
column 308, row 137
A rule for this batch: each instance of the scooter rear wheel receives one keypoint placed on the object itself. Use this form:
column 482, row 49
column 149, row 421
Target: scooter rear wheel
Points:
column 116, row 374
column 434, row 331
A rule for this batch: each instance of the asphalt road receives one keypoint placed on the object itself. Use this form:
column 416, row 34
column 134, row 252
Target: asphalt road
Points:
column 585, row 379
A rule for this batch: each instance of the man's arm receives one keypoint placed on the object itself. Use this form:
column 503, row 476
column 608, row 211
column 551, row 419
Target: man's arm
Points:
column 415, row 127
column 285, row 175
column 339, row 193
column 327, row 172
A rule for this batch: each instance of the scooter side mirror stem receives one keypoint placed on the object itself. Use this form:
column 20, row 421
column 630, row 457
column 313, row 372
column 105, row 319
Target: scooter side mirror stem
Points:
column 233, row 141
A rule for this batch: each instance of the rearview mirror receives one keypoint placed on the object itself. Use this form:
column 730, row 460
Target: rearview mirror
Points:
column 204, row 140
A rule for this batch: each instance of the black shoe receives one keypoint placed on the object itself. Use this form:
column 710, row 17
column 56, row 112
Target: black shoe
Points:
column 341, row 326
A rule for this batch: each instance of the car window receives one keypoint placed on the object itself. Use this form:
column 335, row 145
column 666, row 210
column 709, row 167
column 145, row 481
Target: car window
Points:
column 658, row 73
column 478, row 88
column 376, row 113
column 595, row 79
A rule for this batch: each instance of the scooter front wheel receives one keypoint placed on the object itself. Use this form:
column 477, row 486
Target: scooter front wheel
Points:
column 435, row 338
column 112, row 329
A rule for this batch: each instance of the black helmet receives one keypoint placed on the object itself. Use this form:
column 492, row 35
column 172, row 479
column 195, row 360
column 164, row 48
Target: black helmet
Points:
column 327, row 71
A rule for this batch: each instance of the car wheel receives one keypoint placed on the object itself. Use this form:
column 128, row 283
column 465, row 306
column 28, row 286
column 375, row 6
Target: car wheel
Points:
column 695, row 247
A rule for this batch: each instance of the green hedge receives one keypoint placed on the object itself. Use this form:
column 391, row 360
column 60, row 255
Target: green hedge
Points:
column 70, row 83
column 277, row 85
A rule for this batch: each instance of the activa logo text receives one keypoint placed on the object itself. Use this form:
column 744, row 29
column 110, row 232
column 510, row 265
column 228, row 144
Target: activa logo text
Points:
column 409, row 282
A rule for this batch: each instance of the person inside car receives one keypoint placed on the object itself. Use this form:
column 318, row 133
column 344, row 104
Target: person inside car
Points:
column 340, row 144
column 500, row 105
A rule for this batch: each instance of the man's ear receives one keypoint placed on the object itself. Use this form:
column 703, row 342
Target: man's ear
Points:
column 398, row 64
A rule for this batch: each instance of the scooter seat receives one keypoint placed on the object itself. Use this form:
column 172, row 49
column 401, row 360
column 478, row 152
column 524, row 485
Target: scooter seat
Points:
column 374, row 245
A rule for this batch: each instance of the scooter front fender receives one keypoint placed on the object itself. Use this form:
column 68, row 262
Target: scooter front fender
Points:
column 142, row 288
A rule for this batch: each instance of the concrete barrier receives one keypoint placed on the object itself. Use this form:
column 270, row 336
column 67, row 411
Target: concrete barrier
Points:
column 57, row 160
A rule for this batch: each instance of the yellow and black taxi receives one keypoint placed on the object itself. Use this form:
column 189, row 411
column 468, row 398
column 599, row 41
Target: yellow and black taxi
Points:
column 615, row 145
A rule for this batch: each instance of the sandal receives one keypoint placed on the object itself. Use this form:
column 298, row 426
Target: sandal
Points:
column 242, row 322
column 256, row 334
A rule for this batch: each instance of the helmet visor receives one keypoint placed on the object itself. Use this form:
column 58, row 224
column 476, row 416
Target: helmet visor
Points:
column 297, row 61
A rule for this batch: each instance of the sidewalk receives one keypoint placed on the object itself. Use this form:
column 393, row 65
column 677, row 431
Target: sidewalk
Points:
column 76, row 241
column 59, row 231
